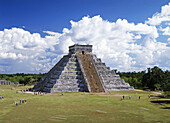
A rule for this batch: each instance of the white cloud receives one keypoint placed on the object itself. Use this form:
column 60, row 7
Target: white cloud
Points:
column 122, row 45
column 21, row 48
column 158, row 18
column 117, row 42
column 166, row 31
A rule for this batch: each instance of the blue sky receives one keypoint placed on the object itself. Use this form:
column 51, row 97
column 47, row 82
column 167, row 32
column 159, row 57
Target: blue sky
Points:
column 54, row 15
column 140, row 28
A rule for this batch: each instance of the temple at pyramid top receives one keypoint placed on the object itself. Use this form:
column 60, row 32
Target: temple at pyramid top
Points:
column 81, row 70
column 80, row 49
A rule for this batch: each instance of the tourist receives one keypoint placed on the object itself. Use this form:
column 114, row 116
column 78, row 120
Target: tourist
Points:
column 61, row 94
column 129, row 97
column 149, row 96
column 123, row 97
column 20, row 102
column 16, row 103
column 25, row 101
column 139, row 97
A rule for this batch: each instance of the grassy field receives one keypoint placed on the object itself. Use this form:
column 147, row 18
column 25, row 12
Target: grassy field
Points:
column 81, row 108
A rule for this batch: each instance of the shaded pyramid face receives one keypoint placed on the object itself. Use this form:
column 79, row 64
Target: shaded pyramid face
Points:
column 81, row 70
column 65, row 76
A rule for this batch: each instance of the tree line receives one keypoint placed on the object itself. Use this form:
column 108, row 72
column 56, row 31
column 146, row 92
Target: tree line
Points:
column 153, row 79
column 21, row 78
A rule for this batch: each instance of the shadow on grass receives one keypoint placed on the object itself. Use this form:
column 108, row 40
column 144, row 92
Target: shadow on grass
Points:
column 165, row 107
column 161, row 101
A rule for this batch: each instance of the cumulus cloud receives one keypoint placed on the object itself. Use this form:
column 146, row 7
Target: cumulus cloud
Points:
column 166, row 31
column 163, row 16
column 117, row 43
column 18, row 46
column 122, row 45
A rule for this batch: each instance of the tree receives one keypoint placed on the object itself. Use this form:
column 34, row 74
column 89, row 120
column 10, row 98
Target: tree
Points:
column 154, row 79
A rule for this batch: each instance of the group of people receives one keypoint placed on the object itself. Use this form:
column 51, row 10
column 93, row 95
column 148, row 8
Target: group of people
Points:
column 39, row 93
column 22, row 91
column 21, row 102
column 123, row 97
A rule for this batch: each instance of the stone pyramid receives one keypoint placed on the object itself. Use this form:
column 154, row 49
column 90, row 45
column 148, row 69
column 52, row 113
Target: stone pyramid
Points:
column 81, row 70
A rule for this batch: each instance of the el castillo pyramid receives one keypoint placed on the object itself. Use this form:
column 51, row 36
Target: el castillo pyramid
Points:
column 81, row 70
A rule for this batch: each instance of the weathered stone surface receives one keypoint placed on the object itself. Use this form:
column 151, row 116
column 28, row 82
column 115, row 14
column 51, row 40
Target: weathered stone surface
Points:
column 66, row 76
column 81, row 70
column 110, row 80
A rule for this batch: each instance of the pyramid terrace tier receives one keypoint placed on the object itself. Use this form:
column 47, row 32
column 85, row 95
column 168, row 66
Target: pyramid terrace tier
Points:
column 54, row 81
column 63, row 89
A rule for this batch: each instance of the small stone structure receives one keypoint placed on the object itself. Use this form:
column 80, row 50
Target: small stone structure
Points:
column 4, row 82
column 81, row 70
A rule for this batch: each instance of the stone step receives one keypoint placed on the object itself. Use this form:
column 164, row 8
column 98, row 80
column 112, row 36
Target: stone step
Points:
column 72, row 60
column 106, row 72
column 100, row 64
column 116, row 86
column 74, row 68
column 69, row 83
column 69, row 76
column 70, row 63
column 71, row 72
column 102, row 68
column 110, row 77
column 116, row 81
column 65, row 81
column 97, row 60
column 56, row 73
column 66, row 86
column 73, row 55
column 53, row 90
column 120, row 89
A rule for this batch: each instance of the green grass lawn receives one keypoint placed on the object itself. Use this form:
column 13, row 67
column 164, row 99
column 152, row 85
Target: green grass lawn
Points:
column 81, row 108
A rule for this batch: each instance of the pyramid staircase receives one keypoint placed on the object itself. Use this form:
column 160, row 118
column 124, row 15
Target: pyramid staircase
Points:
column 90, row 72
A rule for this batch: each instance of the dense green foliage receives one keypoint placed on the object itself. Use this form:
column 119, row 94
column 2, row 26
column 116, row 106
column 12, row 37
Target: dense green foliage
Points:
column 153, row 79
column 22, row 78
column 133, row 78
